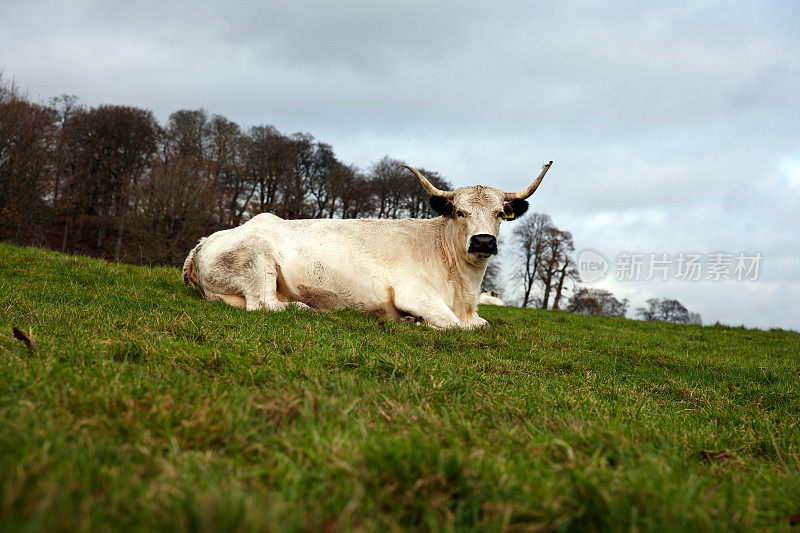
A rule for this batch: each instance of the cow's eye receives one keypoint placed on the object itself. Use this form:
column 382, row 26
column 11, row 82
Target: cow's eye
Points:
column 460, row 214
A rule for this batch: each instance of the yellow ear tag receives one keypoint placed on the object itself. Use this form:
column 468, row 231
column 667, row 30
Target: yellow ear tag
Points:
column 510, row 216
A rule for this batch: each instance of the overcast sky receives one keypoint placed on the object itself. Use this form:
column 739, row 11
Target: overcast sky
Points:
column 674, row 126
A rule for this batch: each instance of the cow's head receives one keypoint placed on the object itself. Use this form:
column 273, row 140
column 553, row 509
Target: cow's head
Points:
column 475, row 212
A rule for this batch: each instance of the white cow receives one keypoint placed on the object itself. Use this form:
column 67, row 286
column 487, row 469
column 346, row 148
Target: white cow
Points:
column 422, row 269
column 490, row 298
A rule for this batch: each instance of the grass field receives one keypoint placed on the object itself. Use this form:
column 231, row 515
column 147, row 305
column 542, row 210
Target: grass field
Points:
column 141, row 405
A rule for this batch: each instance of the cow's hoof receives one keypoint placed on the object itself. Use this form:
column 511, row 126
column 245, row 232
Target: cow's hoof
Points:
column 479, row 323
column 301, row 305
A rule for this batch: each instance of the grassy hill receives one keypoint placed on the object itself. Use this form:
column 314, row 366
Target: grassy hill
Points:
column 141, row 405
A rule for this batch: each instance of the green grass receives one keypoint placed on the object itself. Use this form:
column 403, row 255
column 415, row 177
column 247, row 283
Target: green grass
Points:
column 142, row 406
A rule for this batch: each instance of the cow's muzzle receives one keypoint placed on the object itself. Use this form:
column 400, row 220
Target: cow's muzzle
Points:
column 483, row 244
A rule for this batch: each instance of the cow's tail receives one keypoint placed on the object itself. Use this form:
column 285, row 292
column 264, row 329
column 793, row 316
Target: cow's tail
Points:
column 189, row 270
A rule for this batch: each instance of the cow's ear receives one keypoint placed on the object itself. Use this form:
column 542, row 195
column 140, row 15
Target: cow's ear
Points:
column 515, row 209
column 443, row 206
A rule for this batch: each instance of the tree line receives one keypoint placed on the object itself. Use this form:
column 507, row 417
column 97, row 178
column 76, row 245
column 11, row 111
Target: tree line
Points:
column 112, row 182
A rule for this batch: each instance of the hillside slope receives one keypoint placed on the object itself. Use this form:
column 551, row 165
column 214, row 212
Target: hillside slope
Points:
column 142, row 405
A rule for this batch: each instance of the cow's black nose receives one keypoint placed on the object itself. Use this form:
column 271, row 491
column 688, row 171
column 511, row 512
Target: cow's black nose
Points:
column 483, row 244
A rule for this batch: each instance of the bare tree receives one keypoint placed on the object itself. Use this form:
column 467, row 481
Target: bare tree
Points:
column 673, row 311
column 529, row 240
column 586, row 301
column 387, row 178
column 64, row 106
column 268, row 164
column 294, row 185
column 567, row 272
column 321, row 161
column 353, row 191
column 175, row 209
column 188, row 132
column 556, row 264
column 228, row 168
column 109, row 149
column 695, row 318
column 663, row 310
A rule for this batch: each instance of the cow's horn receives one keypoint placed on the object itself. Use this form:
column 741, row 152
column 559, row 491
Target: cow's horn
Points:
column 433, row 191
column 530, row 190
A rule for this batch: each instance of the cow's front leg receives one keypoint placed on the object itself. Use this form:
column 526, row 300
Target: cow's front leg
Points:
column 260, row 287
column 428, row 306
column 475, row 321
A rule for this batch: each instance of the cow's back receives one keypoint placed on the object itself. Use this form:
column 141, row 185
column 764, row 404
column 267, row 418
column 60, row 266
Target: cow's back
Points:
column 328, row 263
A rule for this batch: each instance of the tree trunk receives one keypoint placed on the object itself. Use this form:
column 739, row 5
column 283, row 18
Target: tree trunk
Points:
column 560, row 286
column 528, row 288
column 532, row 278
column 118, row 245
column 101, row 232
column 55, row 190
column 548, row 282
column 66, row 233
column 78, row 234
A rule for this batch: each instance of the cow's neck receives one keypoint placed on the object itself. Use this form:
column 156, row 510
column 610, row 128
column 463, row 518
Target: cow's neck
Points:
column 467, row 271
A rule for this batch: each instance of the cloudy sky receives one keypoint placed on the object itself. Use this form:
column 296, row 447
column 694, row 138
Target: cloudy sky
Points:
column 674, row 126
